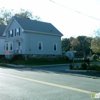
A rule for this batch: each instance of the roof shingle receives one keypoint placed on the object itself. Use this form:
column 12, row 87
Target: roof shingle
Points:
column 2, row 29
column 34, row 25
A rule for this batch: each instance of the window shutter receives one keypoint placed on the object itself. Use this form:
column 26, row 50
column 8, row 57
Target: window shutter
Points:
column 55, row 46
column 12, row 33
column 19, row 31
column 8, row 33
column 15, row 32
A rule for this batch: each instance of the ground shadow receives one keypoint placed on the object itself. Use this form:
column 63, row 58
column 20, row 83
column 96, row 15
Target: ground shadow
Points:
column 59, row 69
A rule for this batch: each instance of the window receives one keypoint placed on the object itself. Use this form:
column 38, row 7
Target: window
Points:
column 7, row 46
column 15, row 32
column 18, row 43
column 40, row 45
column 55, row 47
column 18, row 31
column 10, row 46
column 11, row 33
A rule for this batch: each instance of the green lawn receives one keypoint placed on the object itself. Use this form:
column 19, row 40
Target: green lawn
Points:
column 42, row 61
column 39, row 62
column 19, row 60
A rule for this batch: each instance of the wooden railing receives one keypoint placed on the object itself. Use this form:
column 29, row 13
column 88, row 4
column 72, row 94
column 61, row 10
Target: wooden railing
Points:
column 11, row 54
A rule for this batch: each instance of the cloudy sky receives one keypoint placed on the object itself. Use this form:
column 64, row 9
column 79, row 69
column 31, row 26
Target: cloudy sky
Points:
column 71, row 17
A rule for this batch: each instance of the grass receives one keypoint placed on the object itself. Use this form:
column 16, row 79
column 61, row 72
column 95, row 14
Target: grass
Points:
column 39, row 62
column 4, row 65
column 19, row 60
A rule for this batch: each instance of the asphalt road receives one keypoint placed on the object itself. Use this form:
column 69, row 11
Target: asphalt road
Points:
column 45, row 83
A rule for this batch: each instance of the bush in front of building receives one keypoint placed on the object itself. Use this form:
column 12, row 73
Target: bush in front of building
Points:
column 16, row 57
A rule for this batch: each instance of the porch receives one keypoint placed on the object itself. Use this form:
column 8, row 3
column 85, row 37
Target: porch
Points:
column 11, row 54
column 13, row 48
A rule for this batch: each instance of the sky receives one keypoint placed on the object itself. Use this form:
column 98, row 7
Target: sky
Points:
column 71, row 17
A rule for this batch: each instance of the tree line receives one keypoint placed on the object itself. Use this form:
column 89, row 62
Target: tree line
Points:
column 6, row 15
column 82, row 43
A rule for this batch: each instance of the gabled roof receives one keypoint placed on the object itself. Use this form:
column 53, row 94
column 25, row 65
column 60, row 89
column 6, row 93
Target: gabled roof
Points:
column 2, row 29
column 38, row 26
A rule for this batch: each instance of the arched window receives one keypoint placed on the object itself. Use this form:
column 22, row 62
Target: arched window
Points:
column 40, row 46
column 55, row 47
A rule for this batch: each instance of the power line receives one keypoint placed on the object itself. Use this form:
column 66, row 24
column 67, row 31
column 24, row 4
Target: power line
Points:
column 75, row 10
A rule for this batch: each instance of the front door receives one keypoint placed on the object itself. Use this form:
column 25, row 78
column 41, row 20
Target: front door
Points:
column 18, row 48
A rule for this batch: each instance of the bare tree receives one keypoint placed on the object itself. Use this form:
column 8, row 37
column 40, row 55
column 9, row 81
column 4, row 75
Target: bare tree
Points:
column 6, row 15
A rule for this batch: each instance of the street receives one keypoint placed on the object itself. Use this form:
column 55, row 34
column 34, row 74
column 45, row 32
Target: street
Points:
column 45, row 83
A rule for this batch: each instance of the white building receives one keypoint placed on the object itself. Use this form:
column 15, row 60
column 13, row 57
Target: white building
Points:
column 31, row 37
column 2, row 40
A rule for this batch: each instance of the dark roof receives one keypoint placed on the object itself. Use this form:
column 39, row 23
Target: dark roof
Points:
column 2, row 29
column 34, row 25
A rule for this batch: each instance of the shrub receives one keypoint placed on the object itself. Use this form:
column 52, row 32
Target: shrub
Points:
column 67, row 58
column 95, row 57
column 16, row 57
column 71, row 66
column 93, row 67
column 4, row 65
column 84, row 66
column 98, row 68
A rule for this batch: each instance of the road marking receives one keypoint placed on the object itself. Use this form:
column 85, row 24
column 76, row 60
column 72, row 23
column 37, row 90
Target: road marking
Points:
column 48, row 83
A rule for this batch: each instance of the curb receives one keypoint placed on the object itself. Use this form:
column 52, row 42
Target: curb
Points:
column 67, row 71
column 37, row 66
